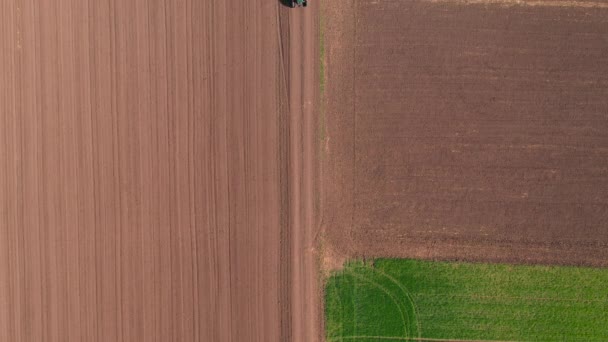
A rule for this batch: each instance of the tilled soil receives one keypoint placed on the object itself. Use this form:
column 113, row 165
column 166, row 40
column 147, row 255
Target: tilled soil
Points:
column 155, row 160
column 471, row 130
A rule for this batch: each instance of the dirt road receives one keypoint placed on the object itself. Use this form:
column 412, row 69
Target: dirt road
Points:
column 303, row 168
column 156, row 170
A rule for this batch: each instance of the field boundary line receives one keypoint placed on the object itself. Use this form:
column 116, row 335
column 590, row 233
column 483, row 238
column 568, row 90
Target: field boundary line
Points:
column 354, row 95
column 421, row 339
column 530, row 3
column 522, row 298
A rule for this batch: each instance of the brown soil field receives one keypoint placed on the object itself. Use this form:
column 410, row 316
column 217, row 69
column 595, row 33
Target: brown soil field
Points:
column 467, row 130
column 157, row 171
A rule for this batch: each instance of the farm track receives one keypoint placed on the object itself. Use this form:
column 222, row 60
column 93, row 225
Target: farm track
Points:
column 470, row 130
column 157, row 171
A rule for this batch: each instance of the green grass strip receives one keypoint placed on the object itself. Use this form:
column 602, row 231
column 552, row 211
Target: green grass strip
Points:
column 397, row 299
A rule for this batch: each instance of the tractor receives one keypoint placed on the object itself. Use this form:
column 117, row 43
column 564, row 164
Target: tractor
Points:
column 298, row 3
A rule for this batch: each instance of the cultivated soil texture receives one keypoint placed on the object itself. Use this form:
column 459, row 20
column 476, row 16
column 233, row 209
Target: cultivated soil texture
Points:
column 157, row 171
column 467, row 130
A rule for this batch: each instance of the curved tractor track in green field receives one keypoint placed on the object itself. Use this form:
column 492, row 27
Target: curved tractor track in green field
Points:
column 383, row 285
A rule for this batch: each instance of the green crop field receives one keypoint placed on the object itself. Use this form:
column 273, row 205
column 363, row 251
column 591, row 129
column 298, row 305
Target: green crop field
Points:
column 401, row 300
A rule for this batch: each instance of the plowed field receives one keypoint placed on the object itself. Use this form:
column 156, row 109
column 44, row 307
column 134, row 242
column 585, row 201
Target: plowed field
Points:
column 156, row 171
column 468, row 130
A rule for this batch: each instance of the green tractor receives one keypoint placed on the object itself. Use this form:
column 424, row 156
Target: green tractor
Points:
column 298, row 3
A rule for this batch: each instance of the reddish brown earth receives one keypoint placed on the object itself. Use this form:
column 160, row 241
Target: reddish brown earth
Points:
column 157, row 171
column 469, row 130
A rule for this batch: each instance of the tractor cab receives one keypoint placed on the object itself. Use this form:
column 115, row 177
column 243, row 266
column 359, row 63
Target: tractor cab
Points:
column 298, row 3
